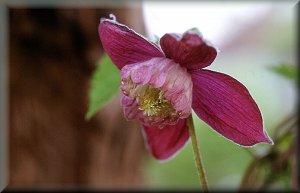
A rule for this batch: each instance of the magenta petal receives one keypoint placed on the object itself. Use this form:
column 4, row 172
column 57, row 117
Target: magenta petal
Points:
column 165, row 142
column 226, row 105
column 123, row 45
column 190, row 50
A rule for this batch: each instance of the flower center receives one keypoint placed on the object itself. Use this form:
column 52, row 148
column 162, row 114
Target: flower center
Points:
column 153, row 103
column 150, row 100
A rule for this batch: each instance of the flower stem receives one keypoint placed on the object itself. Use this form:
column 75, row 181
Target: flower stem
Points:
column 198, row 158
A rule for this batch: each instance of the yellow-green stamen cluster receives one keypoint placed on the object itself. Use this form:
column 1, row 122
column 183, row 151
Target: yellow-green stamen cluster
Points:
column 154, row 104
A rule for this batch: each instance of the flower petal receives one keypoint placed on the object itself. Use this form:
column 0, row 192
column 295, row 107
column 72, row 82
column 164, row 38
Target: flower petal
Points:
column 165, row 142
column 189, row 50
column 130, row 108
column 161, row 88
column 226, row 105
column 123, row 45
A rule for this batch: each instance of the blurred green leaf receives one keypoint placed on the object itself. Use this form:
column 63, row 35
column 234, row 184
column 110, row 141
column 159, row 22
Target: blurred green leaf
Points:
column 104, row 84
column 287, row 70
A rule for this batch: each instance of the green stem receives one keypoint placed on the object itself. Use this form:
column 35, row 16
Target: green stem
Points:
column 198, row 159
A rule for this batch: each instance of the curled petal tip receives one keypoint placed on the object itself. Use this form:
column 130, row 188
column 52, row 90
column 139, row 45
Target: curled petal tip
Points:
column 264, row 138
column 112, row 17
column 268, row 140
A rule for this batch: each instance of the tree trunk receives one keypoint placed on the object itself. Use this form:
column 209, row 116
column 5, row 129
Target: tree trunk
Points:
column 52, row 55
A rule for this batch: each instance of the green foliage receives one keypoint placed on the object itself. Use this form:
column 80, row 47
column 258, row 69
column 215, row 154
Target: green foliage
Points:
column 104, row 84
column 286, row 70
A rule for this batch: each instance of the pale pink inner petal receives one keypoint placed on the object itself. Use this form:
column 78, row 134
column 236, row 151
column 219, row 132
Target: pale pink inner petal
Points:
column 161, row 89
column 130, row 108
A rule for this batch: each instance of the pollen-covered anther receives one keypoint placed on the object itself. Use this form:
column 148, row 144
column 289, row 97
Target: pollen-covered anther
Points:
column 154, row 104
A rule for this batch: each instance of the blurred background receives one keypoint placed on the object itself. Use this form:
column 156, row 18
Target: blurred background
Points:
column 53, row 50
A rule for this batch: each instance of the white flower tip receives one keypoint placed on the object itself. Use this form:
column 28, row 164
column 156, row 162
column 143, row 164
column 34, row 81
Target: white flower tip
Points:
column 112, row 17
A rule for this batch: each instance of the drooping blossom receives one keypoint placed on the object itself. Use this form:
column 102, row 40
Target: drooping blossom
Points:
column 161, row 84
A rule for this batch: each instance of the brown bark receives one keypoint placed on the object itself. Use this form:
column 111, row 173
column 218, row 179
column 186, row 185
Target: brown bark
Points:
column 52, row 54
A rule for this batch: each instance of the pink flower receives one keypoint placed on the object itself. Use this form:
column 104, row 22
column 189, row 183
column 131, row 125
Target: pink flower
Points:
column 162, row 84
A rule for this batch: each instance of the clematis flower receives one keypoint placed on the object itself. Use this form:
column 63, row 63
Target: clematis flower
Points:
column 161, row 84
